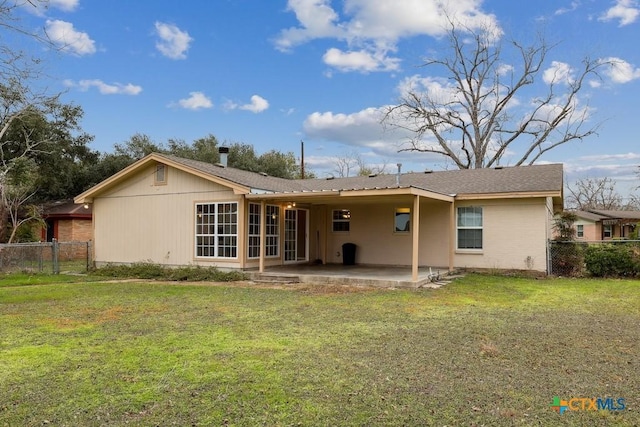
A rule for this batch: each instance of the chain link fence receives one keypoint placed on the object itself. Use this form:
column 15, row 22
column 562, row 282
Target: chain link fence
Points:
column 571, row 258
column 46, row 257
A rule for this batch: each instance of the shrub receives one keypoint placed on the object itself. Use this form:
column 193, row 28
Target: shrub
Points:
column 613, row 260
column 147, row 270
column 567, row 258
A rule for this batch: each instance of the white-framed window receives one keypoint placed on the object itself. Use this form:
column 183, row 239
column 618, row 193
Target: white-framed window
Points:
column 580, row 231
column 341, row 219
column 272, row 230
column 402, row 220
column 469, row 227
column 217, row 230
column 160, row 177
column 607, row 231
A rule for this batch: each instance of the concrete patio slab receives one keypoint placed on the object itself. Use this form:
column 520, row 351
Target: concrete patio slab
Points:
column 358, row 275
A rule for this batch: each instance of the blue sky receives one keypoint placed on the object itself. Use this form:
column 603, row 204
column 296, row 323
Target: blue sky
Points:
column 273, row 73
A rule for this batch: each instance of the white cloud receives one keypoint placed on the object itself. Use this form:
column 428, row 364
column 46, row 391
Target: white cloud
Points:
column 196, row 101
column 40, row 9
column 371, row 29
column 362, row 128
column 574, row 6
column 438, row 89
column 609, row 157
column 558, row 72
column 257, row 105
column 619, row 70
column 505, row 69
column 359, row 61
column 65, row 5
column 317, row 20
column 173, row 42
column 68, row 39
column 104, row 88
column 625, row 11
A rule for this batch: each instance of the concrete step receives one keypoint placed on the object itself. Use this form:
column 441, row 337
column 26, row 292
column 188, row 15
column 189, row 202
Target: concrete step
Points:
column 275, row 278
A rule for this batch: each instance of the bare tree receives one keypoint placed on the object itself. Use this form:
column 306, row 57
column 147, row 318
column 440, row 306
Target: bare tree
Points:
column 475, row 115
column 352, row 163
column 594, row 193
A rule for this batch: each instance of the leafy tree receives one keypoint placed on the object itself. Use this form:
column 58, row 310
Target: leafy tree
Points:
column 33, row 123
column 566, row 254
column 563, row 224
column 138, row 146
column 276, row 163
column 241, row 156
column 202, row 149
column 19, row 188
column 475, row 115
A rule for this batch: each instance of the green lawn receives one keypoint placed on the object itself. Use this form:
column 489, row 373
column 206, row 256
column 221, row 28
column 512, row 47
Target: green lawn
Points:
column 483, row 350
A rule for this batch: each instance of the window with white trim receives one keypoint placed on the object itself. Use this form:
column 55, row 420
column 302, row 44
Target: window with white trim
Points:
column 341, row 219
column 402, row 220
column 217, row 230
column 272, row 231
column 469, row 227
column 607, row 231
column 580, row 231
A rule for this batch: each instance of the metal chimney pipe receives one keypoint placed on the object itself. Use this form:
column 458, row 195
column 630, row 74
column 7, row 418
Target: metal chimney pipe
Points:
column 224, row 154
column 398, row 175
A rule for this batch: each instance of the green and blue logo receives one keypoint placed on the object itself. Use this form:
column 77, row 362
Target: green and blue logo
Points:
column 587, row 404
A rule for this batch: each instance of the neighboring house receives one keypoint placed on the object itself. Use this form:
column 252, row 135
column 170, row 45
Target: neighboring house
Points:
column 67, row 222
column 598, row 224
column 174, row 211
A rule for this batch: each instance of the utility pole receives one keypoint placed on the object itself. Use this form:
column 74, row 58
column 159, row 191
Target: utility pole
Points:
column 301, row 159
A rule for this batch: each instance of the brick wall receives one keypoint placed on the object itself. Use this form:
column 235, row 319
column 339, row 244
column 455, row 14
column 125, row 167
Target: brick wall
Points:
column 82, row 230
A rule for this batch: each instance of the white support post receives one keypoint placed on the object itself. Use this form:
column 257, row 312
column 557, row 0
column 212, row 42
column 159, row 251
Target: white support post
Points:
column 415, row 222
column 263, row 234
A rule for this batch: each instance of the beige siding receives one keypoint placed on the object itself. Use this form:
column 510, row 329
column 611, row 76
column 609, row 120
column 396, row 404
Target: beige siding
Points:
column 372, row 230
column 139, row 221
column 514, row 236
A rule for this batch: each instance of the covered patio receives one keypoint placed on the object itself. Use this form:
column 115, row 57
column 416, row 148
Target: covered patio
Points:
column 355, row 275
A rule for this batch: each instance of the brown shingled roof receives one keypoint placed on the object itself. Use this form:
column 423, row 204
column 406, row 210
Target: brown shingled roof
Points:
column 238, row 176
column 468, row 181
column 521, row 179
column 612, row 214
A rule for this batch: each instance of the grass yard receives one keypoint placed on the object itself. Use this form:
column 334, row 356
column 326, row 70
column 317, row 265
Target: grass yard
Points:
column 484, row 350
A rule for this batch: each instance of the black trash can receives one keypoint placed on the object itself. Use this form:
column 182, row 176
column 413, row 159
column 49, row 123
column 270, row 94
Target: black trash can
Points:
column 349, row 254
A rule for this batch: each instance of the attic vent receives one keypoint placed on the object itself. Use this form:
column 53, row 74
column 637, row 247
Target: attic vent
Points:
column 329, row 178
column 264, row 174
column 428, row 171
column 373, row 175
column 498, row 167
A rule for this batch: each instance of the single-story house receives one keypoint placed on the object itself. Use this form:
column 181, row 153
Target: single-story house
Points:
column 66, row 221
column 600, row 224
column 175, row 211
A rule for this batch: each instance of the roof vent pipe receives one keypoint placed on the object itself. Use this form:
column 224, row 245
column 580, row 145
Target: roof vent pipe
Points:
column 398, row 175
column 224, row 153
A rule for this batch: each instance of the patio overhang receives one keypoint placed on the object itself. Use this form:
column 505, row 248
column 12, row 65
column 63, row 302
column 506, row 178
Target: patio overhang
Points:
column 371, row 193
